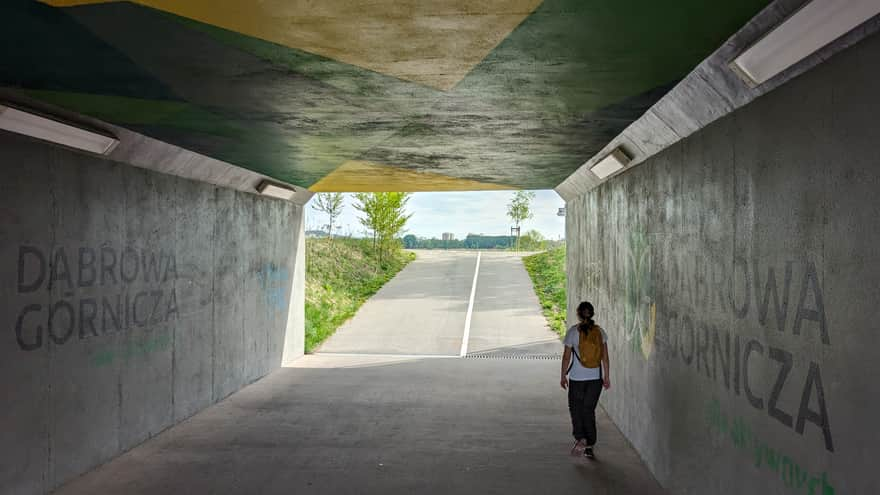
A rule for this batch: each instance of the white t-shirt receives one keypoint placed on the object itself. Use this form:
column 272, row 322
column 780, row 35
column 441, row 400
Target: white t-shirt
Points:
column 578, row 372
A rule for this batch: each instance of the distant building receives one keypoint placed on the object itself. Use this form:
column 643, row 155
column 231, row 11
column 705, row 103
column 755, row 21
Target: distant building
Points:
column 448, row 236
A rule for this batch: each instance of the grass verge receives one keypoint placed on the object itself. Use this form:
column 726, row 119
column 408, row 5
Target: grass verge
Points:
column 547, row 271
column 341, row 274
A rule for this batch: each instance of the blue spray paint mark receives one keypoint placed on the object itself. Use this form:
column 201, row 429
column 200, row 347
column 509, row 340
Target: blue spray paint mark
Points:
column 274, row 282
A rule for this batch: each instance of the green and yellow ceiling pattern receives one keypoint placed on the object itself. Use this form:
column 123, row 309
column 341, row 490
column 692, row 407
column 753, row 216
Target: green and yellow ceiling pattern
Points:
column 379, row 95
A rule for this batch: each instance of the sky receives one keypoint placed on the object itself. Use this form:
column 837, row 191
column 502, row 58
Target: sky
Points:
column 462, row 213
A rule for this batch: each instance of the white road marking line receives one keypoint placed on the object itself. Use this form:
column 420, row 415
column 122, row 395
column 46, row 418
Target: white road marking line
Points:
column 470, row 311
column 367, row 354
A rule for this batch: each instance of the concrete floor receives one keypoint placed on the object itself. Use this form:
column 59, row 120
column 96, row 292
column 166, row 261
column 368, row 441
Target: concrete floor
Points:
column 345, row 425
column 367, row 422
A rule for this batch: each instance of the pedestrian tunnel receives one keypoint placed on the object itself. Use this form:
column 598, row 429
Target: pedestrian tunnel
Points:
column 718, row 172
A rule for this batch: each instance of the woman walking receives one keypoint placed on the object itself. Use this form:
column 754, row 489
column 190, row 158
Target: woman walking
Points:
column 584, row 377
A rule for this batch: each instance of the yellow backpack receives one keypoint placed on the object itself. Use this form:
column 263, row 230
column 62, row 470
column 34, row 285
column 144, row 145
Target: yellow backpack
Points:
column 589, row 351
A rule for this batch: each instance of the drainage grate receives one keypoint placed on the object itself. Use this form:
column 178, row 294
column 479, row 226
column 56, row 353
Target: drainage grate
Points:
column 547, row 357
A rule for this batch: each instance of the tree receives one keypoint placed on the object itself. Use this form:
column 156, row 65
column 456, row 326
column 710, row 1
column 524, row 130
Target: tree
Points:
column 384, row 216
column 519, row 209
column 532, row 241
column 331, row 204
column 410, row 241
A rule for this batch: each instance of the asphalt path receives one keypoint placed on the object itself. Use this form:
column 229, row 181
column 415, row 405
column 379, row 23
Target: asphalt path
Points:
column 424, row 310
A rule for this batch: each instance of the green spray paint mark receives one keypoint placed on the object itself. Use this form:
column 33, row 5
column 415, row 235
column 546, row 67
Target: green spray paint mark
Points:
column 102, row 359
column 136, row 348
column 764, row 456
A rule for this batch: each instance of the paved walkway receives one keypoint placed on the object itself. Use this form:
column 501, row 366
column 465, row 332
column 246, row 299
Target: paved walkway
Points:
column 423, row 311
column 368, row 415
column 507, row 316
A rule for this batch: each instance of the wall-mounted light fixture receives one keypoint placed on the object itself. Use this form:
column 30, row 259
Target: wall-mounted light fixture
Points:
column 46, row 129
column 274, row 190
column 816, row 24
column 614, row 161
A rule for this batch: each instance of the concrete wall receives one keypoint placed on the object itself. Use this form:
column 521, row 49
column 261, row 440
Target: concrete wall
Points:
column 129, row 301
column 737, row 275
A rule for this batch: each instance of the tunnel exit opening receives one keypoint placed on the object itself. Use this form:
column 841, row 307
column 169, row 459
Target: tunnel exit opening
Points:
column 441, row 288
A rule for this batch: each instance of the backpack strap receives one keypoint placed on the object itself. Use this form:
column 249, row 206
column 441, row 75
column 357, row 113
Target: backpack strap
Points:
column 574, row 351
column 571, row 364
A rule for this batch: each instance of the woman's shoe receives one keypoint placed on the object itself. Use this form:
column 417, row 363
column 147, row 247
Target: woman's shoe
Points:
column 578, row 448
column 588, row 452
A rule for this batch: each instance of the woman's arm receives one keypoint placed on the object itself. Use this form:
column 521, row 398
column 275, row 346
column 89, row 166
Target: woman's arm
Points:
column 606, row 367
column 566, row 359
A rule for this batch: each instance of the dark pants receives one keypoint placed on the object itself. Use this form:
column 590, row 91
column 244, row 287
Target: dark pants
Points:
column 582, row 399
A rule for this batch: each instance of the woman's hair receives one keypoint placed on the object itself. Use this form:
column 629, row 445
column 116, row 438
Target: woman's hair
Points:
column 586, row 322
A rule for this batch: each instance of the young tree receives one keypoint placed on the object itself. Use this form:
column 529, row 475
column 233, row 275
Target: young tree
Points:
column 519, row 209
column 367, row 203
column 331, row 204
column 384, row 216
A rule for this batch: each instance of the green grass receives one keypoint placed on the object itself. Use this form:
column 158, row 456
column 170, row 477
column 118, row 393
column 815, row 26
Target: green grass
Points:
column 340, row 276
column 547, row 270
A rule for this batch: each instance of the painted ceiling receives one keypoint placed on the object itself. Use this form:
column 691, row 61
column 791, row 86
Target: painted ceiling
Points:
column 340, row 95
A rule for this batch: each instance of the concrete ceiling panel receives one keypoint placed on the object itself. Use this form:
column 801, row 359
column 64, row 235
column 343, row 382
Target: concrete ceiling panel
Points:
column 444, row 38
column 509, row 93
